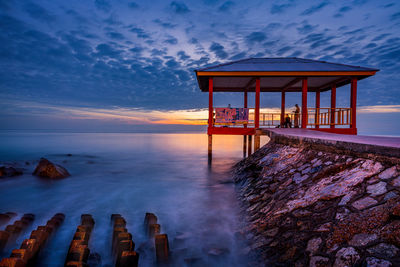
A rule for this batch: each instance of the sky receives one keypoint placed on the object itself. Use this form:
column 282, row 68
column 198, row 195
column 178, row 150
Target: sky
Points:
column 129, row 65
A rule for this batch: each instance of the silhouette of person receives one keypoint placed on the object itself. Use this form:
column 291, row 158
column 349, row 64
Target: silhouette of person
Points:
column 288, row 123
column 296, row 116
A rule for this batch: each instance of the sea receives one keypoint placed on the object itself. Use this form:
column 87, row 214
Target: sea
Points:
column 168, row 174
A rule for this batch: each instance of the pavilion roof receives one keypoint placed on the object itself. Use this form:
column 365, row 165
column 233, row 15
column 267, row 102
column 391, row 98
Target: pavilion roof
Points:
column 279, row 74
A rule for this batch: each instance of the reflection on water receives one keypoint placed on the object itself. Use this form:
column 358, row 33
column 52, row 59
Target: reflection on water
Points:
column 130, row 174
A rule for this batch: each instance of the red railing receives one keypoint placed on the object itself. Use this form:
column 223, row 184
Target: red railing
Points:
column 316, row 117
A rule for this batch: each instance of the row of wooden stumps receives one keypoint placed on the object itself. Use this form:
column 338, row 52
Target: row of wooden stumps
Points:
column 161, row 245
column 30, row 248
column 122, row 246
column 12, row 231
column 78, row 252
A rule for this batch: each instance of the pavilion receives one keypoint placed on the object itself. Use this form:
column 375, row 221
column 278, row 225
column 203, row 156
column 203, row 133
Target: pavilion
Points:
column 285, row 75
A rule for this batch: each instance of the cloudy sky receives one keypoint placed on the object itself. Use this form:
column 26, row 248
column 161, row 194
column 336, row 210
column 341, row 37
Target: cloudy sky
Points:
column 102, row 62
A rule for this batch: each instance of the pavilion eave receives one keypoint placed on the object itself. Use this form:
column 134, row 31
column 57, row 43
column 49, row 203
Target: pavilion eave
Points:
column 289, row 87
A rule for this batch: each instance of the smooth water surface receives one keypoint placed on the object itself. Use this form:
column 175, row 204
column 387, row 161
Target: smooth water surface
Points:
column 130, row 174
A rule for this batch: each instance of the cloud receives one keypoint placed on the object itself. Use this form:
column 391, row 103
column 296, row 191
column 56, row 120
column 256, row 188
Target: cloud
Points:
column 380, row 37
column 359, row 2
column 182, row 55
column 133, row 5
column 5, row 5
column 158, row 52
column 218, row 50
column 122, row 115
column 370, row 45
column 342, row 10
column 255, row 37
column 103, row 5
column 136, row 50
column 145, row 59
column 279, row 9
column 171, row 40
column 388, row 5
column 306, row 28
column 379, row 109
column 193, row 41
column 179, row 7
column 140, row 33
column 283, row 50
column 296, row 54
column 172, row 64
column 395, row 16
column 227, row 6
column 39, row 13
column 238, row 56
column 166, row 25
column 115, row 35
column 105, row 50
column 314, row 9
column 112, row 20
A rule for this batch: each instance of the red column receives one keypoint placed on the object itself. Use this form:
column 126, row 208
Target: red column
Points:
column 333, row 105
column 283, row 108
column 353, row 104
column 317, row 106
column 304, row 104
column 210, row 104
column 257, row 111
column 245, row 103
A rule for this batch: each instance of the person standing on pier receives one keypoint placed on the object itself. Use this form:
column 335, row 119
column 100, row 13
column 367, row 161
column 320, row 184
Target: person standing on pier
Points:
column 296, row 116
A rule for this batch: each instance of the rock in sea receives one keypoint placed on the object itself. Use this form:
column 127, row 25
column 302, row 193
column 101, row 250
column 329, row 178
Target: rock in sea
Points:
column 9, row 171
column 47, row 169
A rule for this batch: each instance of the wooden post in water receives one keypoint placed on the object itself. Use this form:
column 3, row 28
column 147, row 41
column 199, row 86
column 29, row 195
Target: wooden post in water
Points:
column 210, row 116
column 244, row 145
column 257, row 140
column 249, row 146
column 209, row 148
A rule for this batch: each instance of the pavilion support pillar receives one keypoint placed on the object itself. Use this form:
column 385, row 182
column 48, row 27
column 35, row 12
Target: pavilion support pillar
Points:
column 257, row 109
column 244, row 145
column 249, row 146
column 317, row 107
column 333, row 106
column 210, row 115
column 245, row 104
column 304, row 103
column 283, row 108
column 353, row 104
column 245, row 125
column 209, row 144
column 257, row 140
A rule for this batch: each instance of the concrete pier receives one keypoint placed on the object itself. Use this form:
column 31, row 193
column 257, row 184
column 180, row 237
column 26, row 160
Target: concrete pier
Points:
column 377, row 145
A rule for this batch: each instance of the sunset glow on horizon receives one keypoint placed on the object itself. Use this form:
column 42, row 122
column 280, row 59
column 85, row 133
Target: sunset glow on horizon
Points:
column 136, row 116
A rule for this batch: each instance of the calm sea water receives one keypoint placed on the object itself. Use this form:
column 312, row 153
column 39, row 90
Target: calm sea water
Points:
column 130, row 174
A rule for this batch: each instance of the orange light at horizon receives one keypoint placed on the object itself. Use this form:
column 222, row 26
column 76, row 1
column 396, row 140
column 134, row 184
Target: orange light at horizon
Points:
column 142, row 116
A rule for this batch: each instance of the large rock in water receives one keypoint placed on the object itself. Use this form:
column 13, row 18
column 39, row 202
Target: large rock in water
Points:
column 47, row 169
column 9, row 171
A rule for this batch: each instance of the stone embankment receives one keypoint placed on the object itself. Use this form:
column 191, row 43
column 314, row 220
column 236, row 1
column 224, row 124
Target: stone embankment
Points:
column 310, row 205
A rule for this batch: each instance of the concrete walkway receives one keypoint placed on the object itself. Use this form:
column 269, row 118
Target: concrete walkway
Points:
column 387, row 146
